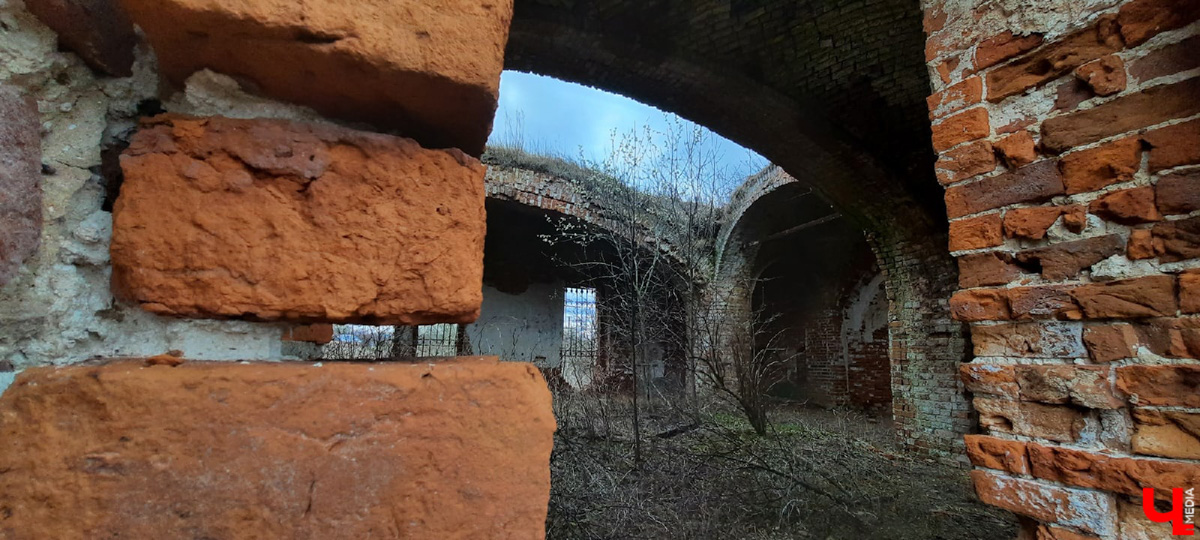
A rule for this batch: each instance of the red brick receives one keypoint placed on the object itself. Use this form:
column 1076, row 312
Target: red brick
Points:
column 999, row 48
column 1173, row 434
column 214, row 221
column 965, row 161
column 20, row 180
column 983, row 269
column 1053, row 60
column 1129, row 113
column 429, row 70
column 1178, row 193
column 955, row 98
column 1043, row 303
column 1140, row 246
column 1105, row 76
column 1050, row 532
column 1030, row 340
column 1171, row 337
column 979, row 305
column 1053, row 422
column 1089, row 511
column 1071, row 93
column 977, row 232
column 1168, row 60
column 1075, row 218
column 277, row 450
column 960, row 128
column 1173, row 146
column 1033, row 183
column 1030, row 223
column 1151, row 296
column 995, row 379
column 1109, row 343
column 310, row 333
column 1189, row 291
column 1107, row 473
column 1141, row 20
column 96, row 30
column 1065, row 260
column 995, row 453
column 1084, row 386
column 1177, row 240
column 1161, row 385
column 1127, row 206
column 1017, row 150
column 1090, row 170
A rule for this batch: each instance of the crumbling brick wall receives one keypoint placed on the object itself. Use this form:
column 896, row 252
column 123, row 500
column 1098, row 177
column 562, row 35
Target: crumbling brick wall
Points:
column 1069, row 140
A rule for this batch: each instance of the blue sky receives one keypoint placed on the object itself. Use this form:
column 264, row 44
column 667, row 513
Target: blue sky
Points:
column 549, row 116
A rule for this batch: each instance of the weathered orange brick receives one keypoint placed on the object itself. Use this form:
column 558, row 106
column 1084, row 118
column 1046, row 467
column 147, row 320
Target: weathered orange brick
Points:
column 1090, row 511
column 1189, row 291
column 1150, row 296
column 311, row 333
column 427, row 69
column 1151, row 106
column 1141, row 20
column 960, row 128
column 1033, row 183
column 1109, row 343
column 1177, row 240
column 1166, row 433
column 965, row 161
column 1127, row 206
column 1054, row 60
column 1075, row 218
column 1175, row 145
column 1017, row 150
column 277, row 450
column 983, row 269
column 1168, row 60
column 1178, row 193
column 995, row 379
column 1071, row 93
column 1161, row 385
column 1030, row 223
column 999, row 48
column 1084, row 386
column 1053, row 422
column 996, row 453
column 955, row 98
column 214, row 220
column 979, row 305
column 1115, row 474
column 1043, row 303
column 1090, row 170
column 1140, row 246
column 1066, row 260
column 1049, row 339
column 1105, row 76
column 977, row 232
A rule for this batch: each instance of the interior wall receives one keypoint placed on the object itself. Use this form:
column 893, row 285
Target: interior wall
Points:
column 522, row 327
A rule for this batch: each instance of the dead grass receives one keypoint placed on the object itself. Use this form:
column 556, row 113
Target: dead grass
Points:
column 817, row 475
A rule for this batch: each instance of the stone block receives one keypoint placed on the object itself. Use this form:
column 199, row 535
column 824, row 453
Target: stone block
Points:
column 995, row 453
column 1161, row 385
column 1030, row 223
column 1174, row 145
column 455, row 449
column 1053, row 422
column 1066, row 260
column 1166, row 433
column 1150, row 296
column 428, row 69
column 1177, row 240
column 1104, row 165
column 960, row 128
column 989, row 268
column 1127, row 206
column 977, row 232
column 1178, row 193
column 280, row 220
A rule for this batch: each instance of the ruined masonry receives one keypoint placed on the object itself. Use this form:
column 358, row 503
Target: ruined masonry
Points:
column 290, row 219
column 1027, row 176
column 1070, row 151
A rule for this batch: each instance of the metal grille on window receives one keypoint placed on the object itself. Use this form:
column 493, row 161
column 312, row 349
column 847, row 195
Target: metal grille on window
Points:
column 579, row 326
column 437, row 340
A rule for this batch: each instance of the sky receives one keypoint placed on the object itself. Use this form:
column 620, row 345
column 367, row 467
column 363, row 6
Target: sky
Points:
column 549, row 116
